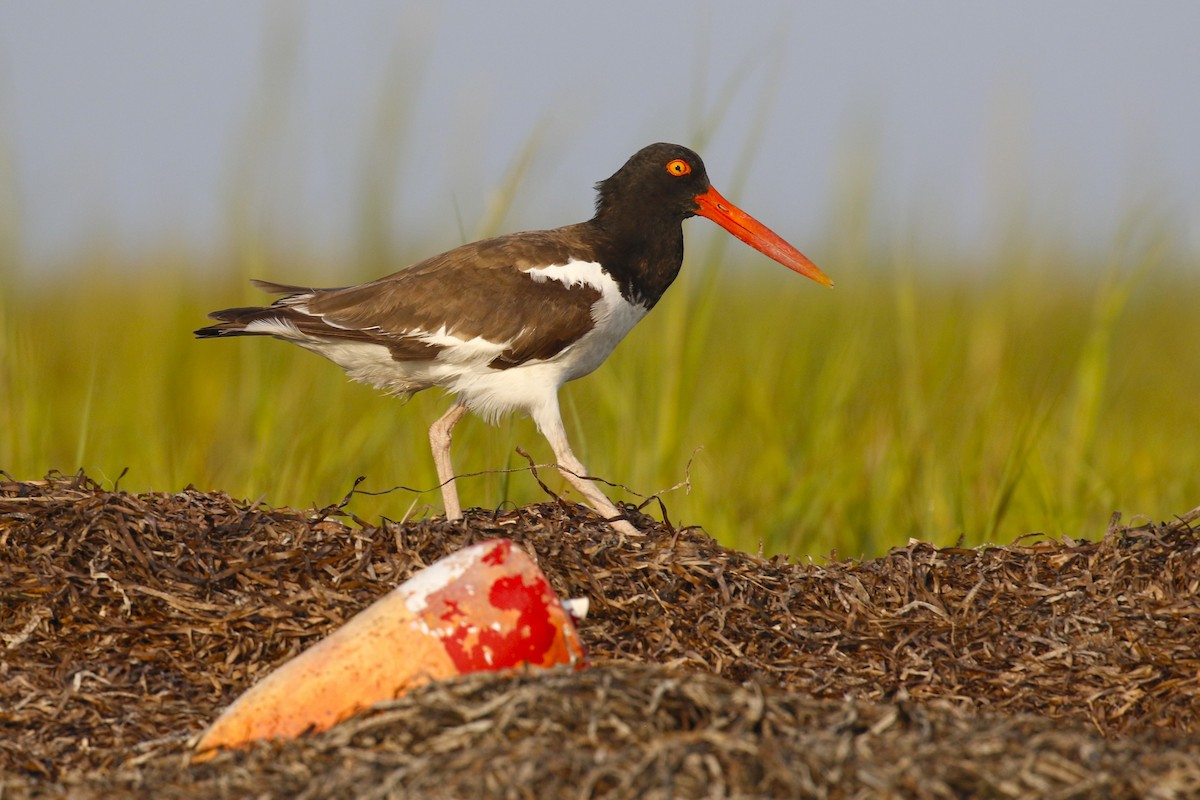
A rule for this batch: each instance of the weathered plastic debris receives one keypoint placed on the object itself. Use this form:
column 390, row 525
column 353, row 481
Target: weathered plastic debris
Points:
column 487, row 607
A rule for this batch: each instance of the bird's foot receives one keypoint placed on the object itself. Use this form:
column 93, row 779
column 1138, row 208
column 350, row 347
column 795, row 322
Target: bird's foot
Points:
column 625, row 527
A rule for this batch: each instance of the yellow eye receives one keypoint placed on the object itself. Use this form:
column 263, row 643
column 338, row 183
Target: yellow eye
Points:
column 679, row 167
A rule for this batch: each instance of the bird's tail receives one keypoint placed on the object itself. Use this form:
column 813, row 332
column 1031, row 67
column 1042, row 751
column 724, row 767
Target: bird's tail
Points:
column 233, row 322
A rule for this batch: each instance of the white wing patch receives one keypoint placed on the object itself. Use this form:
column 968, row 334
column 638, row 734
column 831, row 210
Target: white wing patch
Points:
column 574, row 273
column 457, row 350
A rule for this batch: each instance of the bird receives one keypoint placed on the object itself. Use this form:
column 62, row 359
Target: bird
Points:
column 501, row 324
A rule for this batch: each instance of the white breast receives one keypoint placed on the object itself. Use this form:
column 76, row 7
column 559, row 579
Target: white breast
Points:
column 491, row 392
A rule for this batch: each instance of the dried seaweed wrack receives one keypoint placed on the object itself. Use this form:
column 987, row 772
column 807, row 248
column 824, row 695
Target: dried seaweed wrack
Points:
column 129, row 620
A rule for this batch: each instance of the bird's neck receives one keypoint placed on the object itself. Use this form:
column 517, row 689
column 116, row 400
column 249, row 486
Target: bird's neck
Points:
column 642, row 254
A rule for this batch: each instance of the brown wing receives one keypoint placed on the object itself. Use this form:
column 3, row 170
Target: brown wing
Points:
column 478, row 290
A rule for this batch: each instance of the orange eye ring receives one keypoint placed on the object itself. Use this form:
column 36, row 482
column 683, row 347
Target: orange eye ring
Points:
column 678, row 167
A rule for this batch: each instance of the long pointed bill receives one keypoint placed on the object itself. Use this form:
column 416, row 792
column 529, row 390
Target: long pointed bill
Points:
column 754, row 233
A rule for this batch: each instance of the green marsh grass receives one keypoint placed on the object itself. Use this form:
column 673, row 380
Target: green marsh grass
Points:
column 905, row 402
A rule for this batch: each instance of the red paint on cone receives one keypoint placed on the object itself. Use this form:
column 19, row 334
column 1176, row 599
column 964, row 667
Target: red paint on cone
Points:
column 486, row 607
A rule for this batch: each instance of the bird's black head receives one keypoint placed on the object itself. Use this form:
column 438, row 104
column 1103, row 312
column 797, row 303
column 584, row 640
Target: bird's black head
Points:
column 662, row 185
column 659, row 181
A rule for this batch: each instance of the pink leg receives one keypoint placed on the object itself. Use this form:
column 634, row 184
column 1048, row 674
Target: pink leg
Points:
column 439, row 442
column 549, row 422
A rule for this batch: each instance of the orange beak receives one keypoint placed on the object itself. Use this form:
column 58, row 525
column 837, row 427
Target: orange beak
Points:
column 754, row 233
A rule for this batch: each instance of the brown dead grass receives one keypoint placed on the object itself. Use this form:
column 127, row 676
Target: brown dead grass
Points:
column 1064, row 669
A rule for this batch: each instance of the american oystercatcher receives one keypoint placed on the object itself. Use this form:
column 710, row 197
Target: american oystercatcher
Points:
column 503, row 323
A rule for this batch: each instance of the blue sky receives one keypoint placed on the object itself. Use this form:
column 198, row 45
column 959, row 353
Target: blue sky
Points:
column 131, row 120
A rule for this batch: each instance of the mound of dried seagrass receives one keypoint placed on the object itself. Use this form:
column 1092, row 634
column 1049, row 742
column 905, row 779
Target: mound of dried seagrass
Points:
column 1054, row 669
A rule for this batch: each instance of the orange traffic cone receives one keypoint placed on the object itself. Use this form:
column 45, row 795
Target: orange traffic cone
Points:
column 486, row 607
